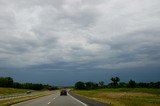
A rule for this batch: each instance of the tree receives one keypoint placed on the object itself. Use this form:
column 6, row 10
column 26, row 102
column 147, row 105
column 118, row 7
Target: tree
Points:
column 101, row 83
column 6, row 82
column 9, row 82
column 17, row 85
column 115, row 81
column 122, row 85
column 91, row 85
column 132, row 84
column 80, row 85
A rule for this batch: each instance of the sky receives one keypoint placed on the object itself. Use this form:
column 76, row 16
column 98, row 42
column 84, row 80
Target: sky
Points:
column 61, row 42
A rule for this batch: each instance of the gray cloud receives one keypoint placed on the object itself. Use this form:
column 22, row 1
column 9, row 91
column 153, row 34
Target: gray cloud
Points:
column 82, row 34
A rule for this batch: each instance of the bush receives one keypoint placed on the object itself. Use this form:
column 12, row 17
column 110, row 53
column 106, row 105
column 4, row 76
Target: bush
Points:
column 80, row 85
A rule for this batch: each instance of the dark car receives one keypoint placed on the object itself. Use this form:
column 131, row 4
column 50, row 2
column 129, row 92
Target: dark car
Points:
column 63, row 92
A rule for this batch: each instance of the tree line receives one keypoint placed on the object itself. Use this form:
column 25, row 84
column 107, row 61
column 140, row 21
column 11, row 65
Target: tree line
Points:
column 10, row 83
column 115, row 83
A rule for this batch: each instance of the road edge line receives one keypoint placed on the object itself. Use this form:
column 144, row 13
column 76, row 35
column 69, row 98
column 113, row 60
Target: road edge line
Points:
column 78, row 100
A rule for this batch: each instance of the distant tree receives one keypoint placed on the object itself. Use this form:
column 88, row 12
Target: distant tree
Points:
column 52, row 88
column 122, row 85
column 80, row 85
column 101, row 83
column 6, row 82
column 142, row 85
column 132, row 84
column 9, row 81
column 17, row 85
column 157, row 85
column 91, row 85
column 148, row 85
column 115, row 81
column 32, row 86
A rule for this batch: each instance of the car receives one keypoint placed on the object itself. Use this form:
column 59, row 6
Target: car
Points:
column 63, row 92
column 28, row 92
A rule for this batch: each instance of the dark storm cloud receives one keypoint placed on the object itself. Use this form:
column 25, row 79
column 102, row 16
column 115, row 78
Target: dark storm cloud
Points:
column 79, row 35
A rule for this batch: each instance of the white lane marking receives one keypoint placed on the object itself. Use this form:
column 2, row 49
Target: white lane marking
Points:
column 77, row 100
column 55, row 97
column 48, row 103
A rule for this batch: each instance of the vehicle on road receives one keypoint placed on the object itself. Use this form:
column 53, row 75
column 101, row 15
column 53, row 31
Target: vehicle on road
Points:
column 63, row 92
column 28, row 92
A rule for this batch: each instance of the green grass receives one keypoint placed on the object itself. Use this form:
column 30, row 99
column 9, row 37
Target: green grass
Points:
column 124, row 96
column 142, row 90
column 10, row 91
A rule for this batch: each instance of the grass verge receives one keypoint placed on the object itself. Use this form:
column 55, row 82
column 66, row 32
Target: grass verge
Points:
column 10, row 91
column 8, row 102
column 124, row 96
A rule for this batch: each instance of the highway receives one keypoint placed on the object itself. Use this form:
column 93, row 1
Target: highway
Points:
column 57, row 100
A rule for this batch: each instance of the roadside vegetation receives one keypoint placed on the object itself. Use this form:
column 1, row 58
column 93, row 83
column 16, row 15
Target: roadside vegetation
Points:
column 11, row 91
column 9, row 87
column 115, row 83
column 8, row 82
column 119, row 93
column 123, row 96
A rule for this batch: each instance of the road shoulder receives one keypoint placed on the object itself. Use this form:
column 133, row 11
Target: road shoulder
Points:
column 89, row 102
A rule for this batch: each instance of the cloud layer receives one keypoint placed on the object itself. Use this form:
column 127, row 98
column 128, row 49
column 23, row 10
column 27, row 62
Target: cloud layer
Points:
column 79, row 34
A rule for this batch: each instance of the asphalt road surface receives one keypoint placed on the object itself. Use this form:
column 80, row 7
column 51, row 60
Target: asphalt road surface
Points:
column 57, row 100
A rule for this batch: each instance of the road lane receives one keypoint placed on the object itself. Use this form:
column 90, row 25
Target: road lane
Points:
column 42, row 101
column 52, row 100
column 57, row 100
column 65, row 101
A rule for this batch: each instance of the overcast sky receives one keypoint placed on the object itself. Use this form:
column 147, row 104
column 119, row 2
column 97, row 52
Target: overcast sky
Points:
column 64, row 41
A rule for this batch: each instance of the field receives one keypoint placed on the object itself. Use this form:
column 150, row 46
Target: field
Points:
column 10, row 91
column 124, row 96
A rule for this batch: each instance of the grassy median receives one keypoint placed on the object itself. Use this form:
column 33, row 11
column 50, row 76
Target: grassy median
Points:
column 124, row 96
column 11, row 91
